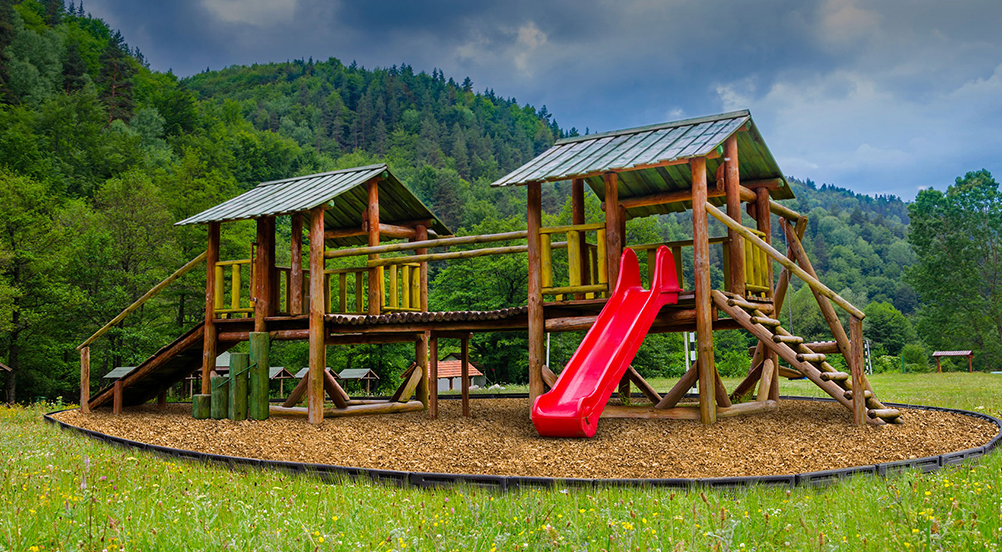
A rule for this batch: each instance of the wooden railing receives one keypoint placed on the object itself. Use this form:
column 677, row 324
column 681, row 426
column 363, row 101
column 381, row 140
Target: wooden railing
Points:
column 758, row 280
column 586, row 270
column 404, row 290
column 235, row 285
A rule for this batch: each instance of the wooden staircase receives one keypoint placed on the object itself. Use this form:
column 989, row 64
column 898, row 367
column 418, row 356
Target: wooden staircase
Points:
column 162, row 370
column 796, row 353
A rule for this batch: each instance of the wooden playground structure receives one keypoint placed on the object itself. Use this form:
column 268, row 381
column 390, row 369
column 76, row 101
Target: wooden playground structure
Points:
column 368, row 216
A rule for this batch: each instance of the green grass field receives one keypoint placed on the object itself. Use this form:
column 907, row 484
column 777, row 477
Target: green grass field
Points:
column 60, row 491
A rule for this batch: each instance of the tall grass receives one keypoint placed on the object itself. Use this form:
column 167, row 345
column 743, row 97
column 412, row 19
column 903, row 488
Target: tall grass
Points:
column 60, row 491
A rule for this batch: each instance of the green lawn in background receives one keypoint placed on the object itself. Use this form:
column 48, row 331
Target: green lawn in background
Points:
column 60, row 491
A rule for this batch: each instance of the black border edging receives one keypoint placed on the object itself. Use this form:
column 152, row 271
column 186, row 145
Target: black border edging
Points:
column 330, row 473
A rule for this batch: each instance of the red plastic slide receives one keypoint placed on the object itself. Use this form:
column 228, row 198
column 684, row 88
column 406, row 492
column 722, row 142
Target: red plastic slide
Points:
column 572, row 407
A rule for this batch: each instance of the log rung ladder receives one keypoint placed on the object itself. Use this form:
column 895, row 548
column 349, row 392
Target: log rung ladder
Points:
column 799, row 355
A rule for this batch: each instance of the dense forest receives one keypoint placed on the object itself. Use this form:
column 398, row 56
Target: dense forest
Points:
column 100, row 155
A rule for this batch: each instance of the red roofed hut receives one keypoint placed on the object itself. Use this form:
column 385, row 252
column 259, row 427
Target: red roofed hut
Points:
column 450, row 370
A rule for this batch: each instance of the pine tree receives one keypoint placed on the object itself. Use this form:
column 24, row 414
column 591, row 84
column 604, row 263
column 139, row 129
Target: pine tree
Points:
column 54, row 10
column 6, row 37
column 116, row 78
column 74, row 68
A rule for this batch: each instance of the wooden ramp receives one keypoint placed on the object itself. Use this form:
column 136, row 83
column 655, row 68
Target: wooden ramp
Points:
column 796, row 352
column 164, row 369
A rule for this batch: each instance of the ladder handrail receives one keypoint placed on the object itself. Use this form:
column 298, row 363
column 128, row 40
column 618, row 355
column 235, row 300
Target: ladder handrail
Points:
column 149, row 295
column 815, row 284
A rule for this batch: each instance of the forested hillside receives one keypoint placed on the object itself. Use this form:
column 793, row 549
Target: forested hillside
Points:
column 100, row 155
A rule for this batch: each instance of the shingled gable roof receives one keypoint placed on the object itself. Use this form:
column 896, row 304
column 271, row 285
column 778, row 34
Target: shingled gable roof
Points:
column 342, row 190
column 641, row 156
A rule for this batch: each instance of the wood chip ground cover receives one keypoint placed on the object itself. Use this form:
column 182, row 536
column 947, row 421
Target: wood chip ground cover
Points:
column 499, row 439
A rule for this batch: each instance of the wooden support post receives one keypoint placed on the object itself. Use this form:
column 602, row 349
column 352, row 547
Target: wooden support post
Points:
column 374, row 273
column 85, row 380
column 856, row 366
column 624, row 389
column 162, row 399
column 433, row 379
column 296, row 266
column 318, row 350
column 264, row 273
column 421, row 357
column 763, row 222
column 613, row 240
column 765, row 385
column 257, row 407
column 117, row 400
column 537, row 324
column 238, row 385
column 722, row 399
column 732, row 187
column 704, row 306
column 465, row 373
column 209, row 341
column 939, row 369
column 422, row 235
column 578, row 217
column 680, row 388
column 970, row 364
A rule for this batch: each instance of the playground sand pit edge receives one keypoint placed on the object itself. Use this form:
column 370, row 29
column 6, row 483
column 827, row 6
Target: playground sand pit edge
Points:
column 499, row 439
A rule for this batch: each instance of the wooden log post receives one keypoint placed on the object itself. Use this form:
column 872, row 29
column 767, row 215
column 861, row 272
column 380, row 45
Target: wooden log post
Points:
column 209, row 340
column 613, row 240
column 318, row 349
column 465, row 374
column 433, row 379
column 856, row 367
column 701, row 288
column 536, row 322
column 763, row 222
column 201, row 406
column 264, row 273
column 296, row 266
column 375, row 273
column 421, row 346
column 220, row 397
column 162, row 400
column 238, row 386
column 732, row 187
column 117, row 397
column 578, row 217
column 258, row 377
column 85, row 380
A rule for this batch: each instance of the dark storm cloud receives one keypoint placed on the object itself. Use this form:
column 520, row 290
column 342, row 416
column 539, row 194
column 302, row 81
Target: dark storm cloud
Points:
column 881, row 97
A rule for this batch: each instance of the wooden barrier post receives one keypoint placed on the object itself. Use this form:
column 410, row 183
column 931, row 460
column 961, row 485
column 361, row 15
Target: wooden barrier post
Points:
column 295, row 284
column 537, row 324
column 209, row 341
column 201, row 406
column 375, row 282
column 318, row 349
column 220, row 397
column 732, row 187
column 238, row 385
column 704, row 307
column 85, row 380
column 259, row 353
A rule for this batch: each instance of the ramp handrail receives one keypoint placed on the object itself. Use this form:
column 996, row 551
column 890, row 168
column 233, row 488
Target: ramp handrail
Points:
column 139, row 302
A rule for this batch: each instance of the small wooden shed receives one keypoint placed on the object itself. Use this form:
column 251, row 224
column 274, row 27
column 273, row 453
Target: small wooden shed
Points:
column 940, row 354
column 360, row 374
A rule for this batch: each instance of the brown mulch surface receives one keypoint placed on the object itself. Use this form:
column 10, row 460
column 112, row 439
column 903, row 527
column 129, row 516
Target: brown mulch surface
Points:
column 499, row 439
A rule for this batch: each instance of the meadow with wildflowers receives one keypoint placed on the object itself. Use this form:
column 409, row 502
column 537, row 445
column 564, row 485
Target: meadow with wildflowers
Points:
column 60, row 491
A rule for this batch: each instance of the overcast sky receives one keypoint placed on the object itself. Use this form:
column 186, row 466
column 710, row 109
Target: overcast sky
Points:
column 889, row 96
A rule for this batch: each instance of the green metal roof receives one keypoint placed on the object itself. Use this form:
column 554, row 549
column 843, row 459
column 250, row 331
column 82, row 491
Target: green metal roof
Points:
column 344, row 193
column 357, row 373
column 302, row 373
column 119, row 372
column 639, row 156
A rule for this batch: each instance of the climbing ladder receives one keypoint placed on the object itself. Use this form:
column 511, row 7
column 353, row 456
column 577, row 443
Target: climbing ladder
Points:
column 799, row 355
